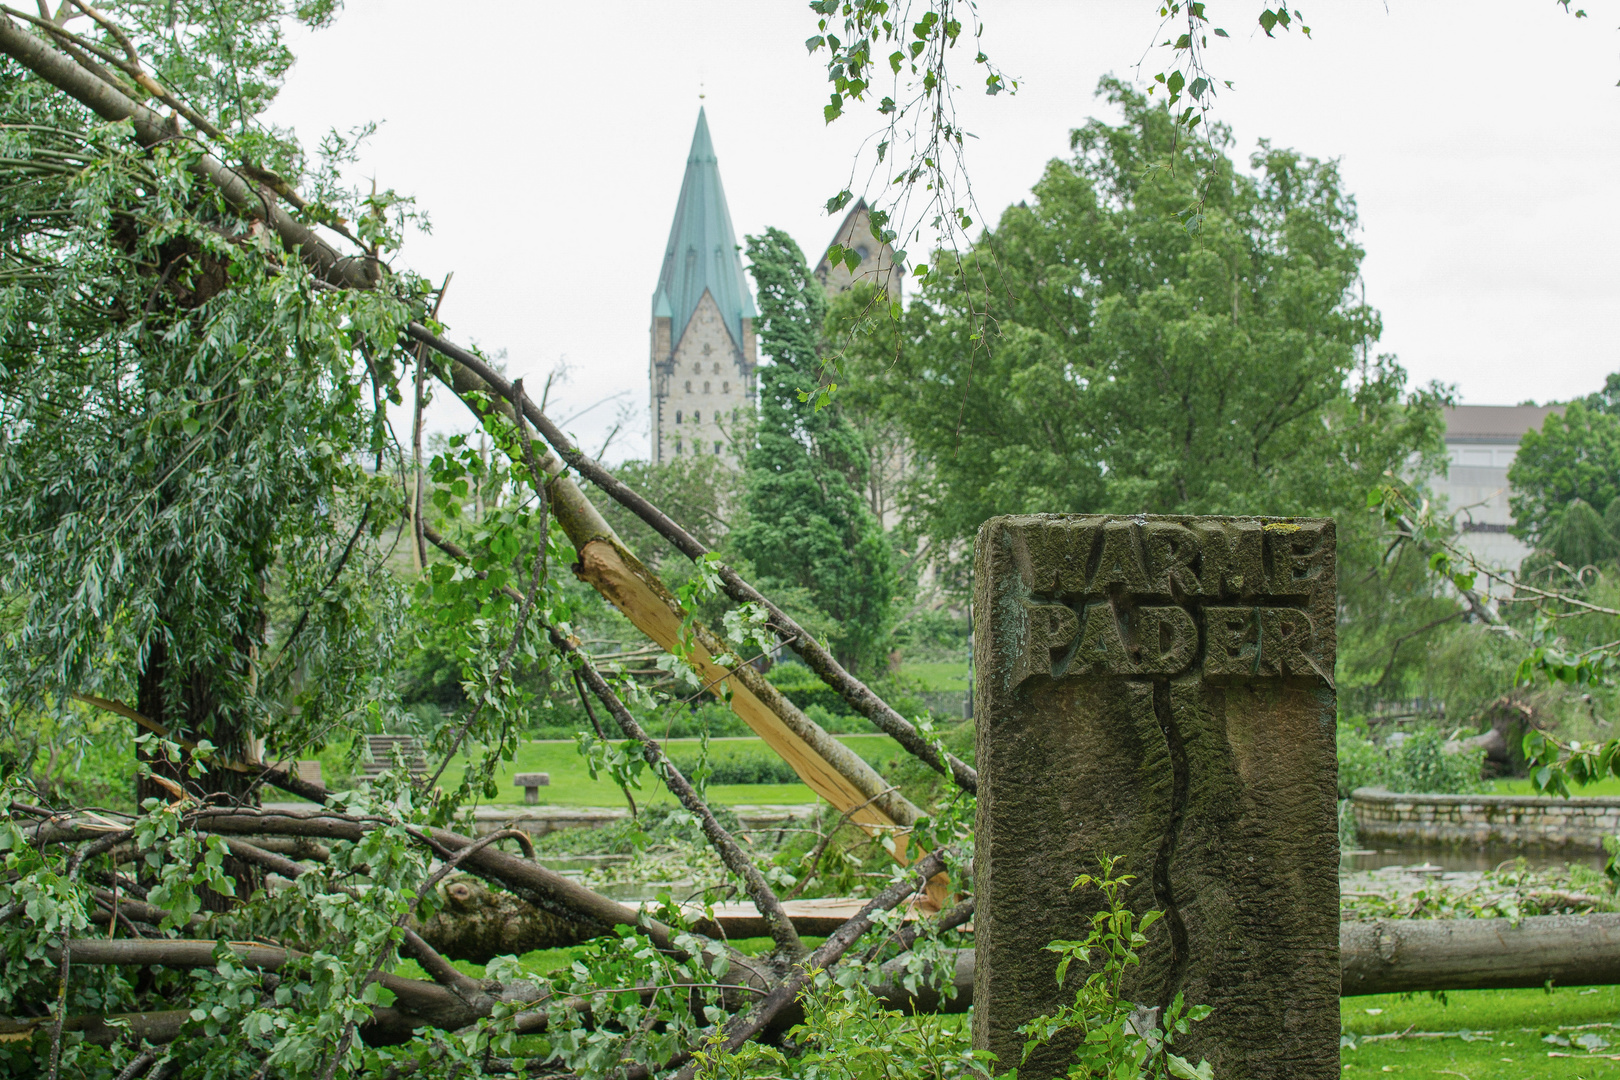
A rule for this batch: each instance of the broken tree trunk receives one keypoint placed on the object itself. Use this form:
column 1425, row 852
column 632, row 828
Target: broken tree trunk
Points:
column 1391, row 956
column 827, row 766
column 479, row 924
column 811, row 651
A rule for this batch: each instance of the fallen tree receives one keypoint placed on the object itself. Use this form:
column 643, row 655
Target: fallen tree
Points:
column 1390, row 956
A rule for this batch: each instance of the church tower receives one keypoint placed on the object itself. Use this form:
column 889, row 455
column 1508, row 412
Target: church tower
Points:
column 703, row 352
column 876, row 266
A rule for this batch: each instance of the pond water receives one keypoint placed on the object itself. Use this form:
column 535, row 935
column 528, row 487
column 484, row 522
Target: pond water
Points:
column 1464, row 859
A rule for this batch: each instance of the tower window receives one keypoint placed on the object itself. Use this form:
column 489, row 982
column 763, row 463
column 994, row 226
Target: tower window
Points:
column 677, row 448
column 677, row 416
column 717, row 446
column 697, row 369
column 725, row 387
column 688, row 386
column 717, row 368
column 705, row 386
column 697, row 417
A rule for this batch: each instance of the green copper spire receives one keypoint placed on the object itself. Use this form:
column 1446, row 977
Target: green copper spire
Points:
column 702, row 250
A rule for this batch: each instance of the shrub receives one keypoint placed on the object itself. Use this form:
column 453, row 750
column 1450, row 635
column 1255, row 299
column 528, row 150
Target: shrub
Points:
column 1423, row 764
column 752, row 769
column 1362, row 762
column 1420, row 763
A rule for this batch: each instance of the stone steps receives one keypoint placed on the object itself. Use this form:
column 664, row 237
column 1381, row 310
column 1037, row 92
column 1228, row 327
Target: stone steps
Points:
column 386, row 751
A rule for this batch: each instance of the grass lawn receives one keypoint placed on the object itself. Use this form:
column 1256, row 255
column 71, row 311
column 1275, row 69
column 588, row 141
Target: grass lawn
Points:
column 940, row 675
column 1506, row 1034
column 1609, row 786
column 571, row 783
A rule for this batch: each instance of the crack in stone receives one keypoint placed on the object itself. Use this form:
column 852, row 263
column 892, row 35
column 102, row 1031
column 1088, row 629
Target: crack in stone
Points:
column 1162, row 892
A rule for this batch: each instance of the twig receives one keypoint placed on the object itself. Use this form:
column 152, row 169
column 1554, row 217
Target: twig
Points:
column 138, row 1065
column 1404, row 638
column 740, row 1029
column 736, row 860
column 419, row 545
column 343, row 560
column 596, row 725
column 814, row 857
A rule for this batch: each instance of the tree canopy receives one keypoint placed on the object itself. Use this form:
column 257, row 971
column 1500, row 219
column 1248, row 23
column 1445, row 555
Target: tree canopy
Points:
column 1104, row 349
column 1574, row 455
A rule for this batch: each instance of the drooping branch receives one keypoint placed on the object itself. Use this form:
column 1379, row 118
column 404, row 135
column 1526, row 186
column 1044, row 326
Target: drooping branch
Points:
column 544, row 888
column 826, row 765
column 731, row 854
column 837, row 768
column 270, row 774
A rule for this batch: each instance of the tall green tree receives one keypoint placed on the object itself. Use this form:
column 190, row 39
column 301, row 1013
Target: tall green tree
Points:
column 1574, row 456
column 808, row 524
column 1104, row 348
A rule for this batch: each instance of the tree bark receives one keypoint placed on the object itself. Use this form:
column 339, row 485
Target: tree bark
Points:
column 479, row 924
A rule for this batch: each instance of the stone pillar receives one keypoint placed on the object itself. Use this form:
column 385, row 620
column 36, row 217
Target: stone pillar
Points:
column 1161, row 688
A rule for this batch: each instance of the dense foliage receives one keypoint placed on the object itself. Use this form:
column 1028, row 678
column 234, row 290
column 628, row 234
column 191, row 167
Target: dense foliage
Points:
column 808, row 524
column 1572, row 463
column 185, row 508
column 1100, row 351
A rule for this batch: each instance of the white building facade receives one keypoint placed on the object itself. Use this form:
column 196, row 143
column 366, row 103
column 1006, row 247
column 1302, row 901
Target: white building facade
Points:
column 1481, row 442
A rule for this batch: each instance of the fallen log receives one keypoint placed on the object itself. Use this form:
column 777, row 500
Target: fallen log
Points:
column 479, row 924
column 1389, row 956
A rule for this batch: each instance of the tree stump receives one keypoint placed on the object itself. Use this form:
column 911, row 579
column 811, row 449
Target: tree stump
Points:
column 1161, row 689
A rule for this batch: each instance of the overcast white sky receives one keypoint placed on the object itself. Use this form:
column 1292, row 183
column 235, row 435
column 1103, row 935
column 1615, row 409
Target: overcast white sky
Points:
column 547, row 142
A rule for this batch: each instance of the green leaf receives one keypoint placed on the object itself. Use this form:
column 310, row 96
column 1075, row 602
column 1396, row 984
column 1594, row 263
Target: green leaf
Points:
column 1182, row 1068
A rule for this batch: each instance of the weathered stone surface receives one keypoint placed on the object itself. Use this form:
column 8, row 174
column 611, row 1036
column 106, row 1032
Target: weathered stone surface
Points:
column 1161, row 689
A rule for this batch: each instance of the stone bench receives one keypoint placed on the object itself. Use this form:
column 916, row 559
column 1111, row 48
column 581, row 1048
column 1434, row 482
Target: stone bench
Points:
column 531, row 783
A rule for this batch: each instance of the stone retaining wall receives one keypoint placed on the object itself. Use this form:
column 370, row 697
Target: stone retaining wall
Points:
column 1528, row 821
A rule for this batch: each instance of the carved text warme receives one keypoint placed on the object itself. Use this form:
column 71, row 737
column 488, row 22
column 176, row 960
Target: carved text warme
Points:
column 1140, row 597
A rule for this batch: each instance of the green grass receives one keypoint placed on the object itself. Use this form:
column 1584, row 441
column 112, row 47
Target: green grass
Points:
column 939, row 675
column 1609, row 786
column 571, row 783
column 1515, row 1050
